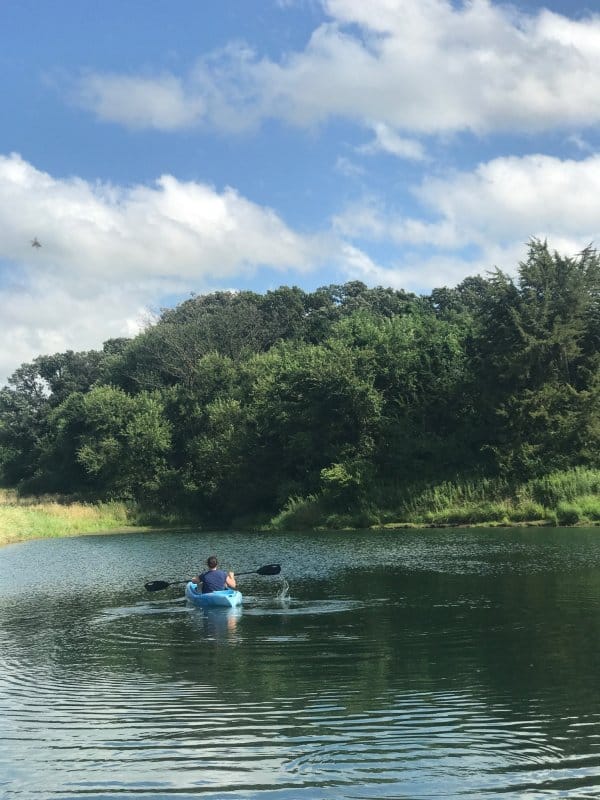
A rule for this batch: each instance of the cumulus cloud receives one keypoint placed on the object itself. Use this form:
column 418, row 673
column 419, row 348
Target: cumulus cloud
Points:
column 172, row 227
column 432, row 66
column 107, row 252
column 44, row 315
column 514, row 197
column 412, row 66
column 473, row 221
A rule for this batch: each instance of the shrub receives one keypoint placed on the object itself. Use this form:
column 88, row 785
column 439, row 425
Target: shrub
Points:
column 527, row 511
column 299, row 513
column 568, row 514
column 590, row 507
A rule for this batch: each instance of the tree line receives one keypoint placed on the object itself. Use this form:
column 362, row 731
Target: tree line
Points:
column 238, row 405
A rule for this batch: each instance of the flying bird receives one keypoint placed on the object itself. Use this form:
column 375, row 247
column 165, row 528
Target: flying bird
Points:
column 35, row 242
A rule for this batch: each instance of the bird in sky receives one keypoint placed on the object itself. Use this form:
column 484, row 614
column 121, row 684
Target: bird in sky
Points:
column 35, row 242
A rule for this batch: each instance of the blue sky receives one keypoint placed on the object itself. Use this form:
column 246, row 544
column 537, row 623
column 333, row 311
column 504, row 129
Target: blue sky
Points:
column 157, row 149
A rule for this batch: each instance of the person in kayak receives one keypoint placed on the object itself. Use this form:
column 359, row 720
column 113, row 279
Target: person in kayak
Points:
column 214, row 579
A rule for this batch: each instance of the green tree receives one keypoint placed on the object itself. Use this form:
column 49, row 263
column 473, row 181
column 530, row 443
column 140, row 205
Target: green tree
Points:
column 538, row 359
column 312, row 409
column 419, row 367
column 24, row 409
column 124, row 442
column 68, row 372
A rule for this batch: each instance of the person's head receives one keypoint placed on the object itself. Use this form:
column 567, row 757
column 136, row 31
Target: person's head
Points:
column 211, row 562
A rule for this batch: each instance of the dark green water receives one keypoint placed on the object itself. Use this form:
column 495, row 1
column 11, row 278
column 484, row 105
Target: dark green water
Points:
column 454, row 664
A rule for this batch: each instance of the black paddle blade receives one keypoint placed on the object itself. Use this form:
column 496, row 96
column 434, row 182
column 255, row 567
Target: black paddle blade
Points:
column 269, row 569
column 156, row 586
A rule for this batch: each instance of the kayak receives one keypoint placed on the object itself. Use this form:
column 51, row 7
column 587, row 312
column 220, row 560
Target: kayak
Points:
column 226, row 598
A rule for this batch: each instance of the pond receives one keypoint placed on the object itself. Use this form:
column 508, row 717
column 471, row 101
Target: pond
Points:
column 421, row 664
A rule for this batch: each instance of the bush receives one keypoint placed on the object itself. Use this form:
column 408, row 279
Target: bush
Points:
column 568, row 514
column 361, row 519
column 299, row 513
column 527, row 511
column 590, row 507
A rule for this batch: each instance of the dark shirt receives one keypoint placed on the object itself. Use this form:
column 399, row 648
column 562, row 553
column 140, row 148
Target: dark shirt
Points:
column 213, row 580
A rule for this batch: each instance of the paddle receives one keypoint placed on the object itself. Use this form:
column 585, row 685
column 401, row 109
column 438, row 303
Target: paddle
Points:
column 268, row 569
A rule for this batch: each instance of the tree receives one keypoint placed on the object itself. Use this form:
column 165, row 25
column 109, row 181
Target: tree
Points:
column 23, row 412
column 419, row 367
column 123, row 442
column 311, row 409
column 26, row 407
column 68, row 372
column 538, row 358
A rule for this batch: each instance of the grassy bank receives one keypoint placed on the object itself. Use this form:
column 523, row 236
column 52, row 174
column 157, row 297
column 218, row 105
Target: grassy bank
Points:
column 565, row 498
column 559, row 499
column 45, row 517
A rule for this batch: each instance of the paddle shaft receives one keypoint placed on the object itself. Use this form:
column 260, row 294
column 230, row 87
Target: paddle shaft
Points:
column 253, row 572
column 268, row 569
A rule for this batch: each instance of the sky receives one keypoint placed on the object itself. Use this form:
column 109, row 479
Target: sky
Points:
column 157, row 150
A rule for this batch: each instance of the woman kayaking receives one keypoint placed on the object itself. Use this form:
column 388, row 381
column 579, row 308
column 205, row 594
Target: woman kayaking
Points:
column 214, row 579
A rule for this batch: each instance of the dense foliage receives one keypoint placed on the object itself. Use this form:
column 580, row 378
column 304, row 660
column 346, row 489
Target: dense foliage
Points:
column 343, row 400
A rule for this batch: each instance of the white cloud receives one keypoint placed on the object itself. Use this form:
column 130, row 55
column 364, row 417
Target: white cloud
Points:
column 489, row 213
column 515, row 198
column 136, row 102
column 429, row 66
column 387, row 141
column 417, row 66
column 348, row 168
column 109, row 251
column 44, row 315
column 172, row 227
column 580, row 143
column 420, row 273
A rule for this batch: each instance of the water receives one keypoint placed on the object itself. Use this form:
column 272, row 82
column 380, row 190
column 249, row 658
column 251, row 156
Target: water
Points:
column 443, row 664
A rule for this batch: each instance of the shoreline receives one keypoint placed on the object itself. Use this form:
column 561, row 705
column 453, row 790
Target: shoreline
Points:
column 22, row 538
column 561, row 500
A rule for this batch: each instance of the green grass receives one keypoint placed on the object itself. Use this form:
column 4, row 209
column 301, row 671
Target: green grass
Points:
column 567, row 486
column 43, row 517
column 560, row 498
column 565, row 498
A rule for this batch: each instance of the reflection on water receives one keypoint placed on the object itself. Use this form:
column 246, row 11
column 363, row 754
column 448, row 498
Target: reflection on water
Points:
column 448, row 664
column 218, row 622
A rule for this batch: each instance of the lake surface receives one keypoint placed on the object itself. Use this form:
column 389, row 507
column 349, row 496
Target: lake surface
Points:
column 442, row 664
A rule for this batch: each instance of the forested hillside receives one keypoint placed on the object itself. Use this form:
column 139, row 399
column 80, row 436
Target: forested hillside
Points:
column 343, row 401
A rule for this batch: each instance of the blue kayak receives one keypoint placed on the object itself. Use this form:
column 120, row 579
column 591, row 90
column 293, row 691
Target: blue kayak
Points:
column 226, row 598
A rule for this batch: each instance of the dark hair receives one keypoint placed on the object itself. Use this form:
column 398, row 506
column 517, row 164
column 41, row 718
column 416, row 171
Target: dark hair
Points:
column 211, row 562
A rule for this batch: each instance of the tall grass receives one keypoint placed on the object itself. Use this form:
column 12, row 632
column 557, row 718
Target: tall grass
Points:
column 33, row 518
column 566, row 498
column 560, row 498
column 567, row 486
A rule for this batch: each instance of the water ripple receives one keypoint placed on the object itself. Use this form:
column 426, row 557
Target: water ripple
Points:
column 456, row 682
